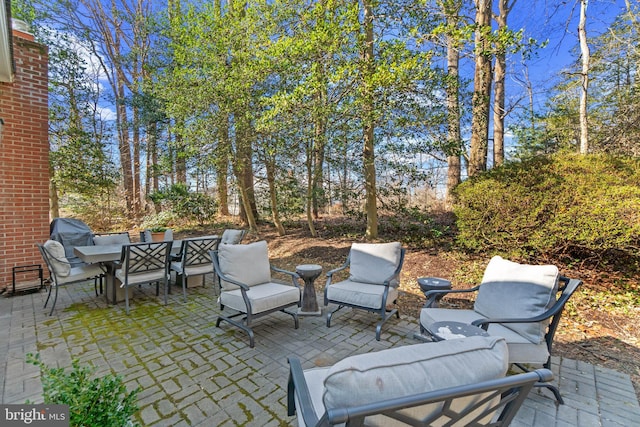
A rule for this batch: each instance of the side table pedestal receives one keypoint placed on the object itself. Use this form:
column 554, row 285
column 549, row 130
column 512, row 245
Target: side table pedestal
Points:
column 309, row 273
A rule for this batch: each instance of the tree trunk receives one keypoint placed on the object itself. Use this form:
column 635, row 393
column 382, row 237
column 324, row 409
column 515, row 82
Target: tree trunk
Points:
column 481, row 100
column 368, row 154
column 310, row 187
column 270, row 166
column 451, row 10
column 500, row 72
column 244, row 173
column 222, row 165
column 54, row 205
column 584, row 77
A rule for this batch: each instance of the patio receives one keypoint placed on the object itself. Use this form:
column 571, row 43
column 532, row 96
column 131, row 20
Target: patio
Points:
column 192, row 373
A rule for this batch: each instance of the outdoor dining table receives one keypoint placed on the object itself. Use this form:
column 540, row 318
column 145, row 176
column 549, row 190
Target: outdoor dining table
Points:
column 108, row 255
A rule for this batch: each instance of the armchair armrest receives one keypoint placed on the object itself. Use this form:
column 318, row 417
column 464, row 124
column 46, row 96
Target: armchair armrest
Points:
column 330, row 273
column 235, row 282
column 294, row 276
column 437, row 292
column 297, row 386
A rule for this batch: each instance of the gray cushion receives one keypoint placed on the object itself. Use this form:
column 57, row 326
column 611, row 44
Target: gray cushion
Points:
column 112, row 239
column 81, row 273
column 512, row 290
column 248, row 264
column 138, row 278
column 59, row 262
column 360, row 294
column 413, row 369
column 231, row 236
column 374, row 262
column 262, row 297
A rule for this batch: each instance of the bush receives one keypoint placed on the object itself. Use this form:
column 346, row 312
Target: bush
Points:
column 99, row 402
column 565, row 206
column 185, row 204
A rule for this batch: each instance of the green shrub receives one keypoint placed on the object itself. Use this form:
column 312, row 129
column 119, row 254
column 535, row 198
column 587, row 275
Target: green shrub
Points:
column 566, row 206
column 99, row 402
column 185, row 204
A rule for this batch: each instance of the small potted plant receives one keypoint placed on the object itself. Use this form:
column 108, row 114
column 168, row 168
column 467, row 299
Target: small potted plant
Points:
column 157, row 233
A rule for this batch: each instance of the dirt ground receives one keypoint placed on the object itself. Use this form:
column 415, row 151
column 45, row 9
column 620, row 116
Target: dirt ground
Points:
column 594, row 328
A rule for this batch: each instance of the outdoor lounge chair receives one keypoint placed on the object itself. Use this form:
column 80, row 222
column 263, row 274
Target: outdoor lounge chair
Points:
column 246, row 285
column 458, row 382
column 522, row 303
column 62, row 272
column 373, row 281
column 144, row 263
column 195, row 260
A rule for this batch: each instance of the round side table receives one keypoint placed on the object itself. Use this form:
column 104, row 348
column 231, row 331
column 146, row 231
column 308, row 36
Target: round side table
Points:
column 449, row 330
column 309, row 273
column 433, row 284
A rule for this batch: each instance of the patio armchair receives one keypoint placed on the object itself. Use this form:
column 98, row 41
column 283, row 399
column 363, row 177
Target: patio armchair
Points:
column 519, row 302
column 374, row 276
column 457, row 382
column 144, row 263
column 62, row 272
column 195, row 260
column 247, row 288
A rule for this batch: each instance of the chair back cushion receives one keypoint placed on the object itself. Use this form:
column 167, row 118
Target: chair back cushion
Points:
column 413, row 369
column 59, row 262
column 248, row 264
column 112, row 239
column 374, row 262
column 231, row 236
column 512, row 290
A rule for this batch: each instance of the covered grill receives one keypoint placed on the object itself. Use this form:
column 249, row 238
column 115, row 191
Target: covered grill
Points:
column 71, row 232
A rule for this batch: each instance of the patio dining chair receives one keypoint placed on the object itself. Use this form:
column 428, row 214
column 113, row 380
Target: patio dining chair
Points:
column 62, row 272
column 247, row 288
column 195, row 260
column 144, row 263
column 372, row 285
column 522, row 303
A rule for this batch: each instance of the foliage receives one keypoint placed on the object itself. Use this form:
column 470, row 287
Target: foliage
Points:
column 613, row 103
column 185, row 204
column 99, row 402
column 565, row 206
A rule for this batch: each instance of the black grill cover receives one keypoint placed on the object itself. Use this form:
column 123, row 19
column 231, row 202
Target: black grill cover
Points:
column 71, row 232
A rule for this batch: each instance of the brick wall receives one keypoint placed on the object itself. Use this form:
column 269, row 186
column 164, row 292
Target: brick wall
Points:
column 24, row 158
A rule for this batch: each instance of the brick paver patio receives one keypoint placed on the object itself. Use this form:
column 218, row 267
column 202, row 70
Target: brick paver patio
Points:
column 192, row 373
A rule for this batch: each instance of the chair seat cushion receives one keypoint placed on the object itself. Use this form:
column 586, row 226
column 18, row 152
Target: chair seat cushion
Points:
column 76, row 274
column 521, row 350
column 512, row 290
column 413, row 369
column 138, row 278
column 374, row 262
column 264, row 297
column 192, row 270
column 360, row 294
